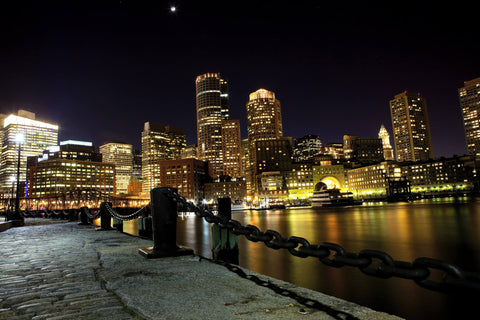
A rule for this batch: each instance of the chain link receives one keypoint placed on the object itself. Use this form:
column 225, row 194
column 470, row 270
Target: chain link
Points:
column 89, row 215
column 128, row 217
column 371, row 262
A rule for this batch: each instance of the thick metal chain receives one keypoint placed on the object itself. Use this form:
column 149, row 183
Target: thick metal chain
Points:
column 128, row 217
column 371, row 262
column 89, row 215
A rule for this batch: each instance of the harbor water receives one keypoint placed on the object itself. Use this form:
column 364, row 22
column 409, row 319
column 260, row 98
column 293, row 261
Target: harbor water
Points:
column 446, row 229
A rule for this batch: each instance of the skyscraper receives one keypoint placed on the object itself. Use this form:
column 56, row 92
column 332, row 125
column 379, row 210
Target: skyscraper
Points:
column 37, row 137
column 231, row 148
column 470, row 104
column 387, row 147
column 264, row 122
column 159, row 143
column 264, row 116
column 119, row 154
column 411, row 128
column 212, row 108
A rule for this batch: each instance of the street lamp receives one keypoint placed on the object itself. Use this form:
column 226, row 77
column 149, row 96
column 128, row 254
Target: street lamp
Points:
column 10, row 206
column 19, row 138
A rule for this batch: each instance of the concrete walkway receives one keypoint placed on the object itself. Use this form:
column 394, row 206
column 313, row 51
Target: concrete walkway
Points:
column 67, row 271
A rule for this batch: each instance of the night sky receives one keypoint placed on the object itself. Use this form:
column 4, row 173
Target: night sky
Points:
column 101, row 69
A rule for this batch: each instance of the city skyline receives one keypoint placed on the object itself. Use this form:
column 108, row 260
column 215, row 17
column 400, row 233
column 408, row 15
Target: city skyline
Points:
column 101, row 71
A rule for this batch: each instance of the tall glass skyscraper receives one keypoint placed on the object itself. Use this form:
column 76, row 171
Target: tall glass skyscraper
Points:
column 411, row 128
column 37, row 137
column 470, row 104
column 212, row 108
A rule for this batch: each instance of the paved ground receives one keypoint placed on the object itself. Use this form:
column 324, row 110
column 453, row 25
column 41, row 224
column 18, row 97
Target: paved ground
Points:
column 58, row 270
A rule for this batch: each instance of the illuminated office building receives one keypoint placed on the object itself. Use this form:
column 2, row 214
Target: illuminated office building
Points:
column 264, row 122
column 37, row 136
column 234, row 189
column 470, row 104
column 188, row 176
column 120, row 154
column 334, row 149
column 70, row 150
column 363, row 150
column 387, row 147
column 444, row 175
column 159, row 143
column 190, row 152
column 272, row 155
column 71, row 170
column 372, row 181
column 231, row 147
column 411, row 128
column 212, row 109
column 307, row 147
column 264, row 116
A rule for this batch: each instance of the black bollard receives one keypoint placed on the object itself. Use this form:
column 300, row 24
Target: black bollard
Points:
column 71, row 215
column 224, row 242
column 83, row 217
column 105, row 217
column 164, row 226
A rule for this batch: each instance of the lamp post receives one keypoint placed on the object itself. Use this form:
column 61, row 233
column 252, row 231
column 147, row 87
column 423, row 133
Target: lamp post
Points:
column 16, row 216
column 10, row 206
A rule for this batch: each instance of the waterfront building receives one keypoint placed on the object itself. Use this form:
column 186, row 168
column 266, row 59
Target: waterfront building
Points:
column 271, row 188
column 363, row 150
column 443, row 175
column 306, row 148
column 387, row 147
column 120, row 154
column 212, row 109
column 235, row 189
column 372, row 181
column 188, row 176
column 470, row 103
column 299, row 183
column 72, row 171
column 411, row 128
column 333, row 175
column 36, row 137
column 231, row 149
column 159, row 143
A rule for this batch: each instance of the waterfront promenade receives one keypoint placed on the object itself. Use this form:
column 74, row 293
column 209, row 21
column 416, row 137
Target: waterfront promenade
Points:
column 51, row 269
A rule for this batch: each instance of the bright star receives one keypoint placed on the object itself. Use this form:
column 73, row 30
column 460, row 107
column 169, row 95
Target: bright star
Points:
column 173, row 9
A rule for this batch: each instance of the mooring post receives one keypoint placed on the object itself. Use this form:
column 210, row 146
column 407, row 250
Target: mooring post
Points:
column 164, row 226
column 105, row 217
column 224, row 242
column 83, row 217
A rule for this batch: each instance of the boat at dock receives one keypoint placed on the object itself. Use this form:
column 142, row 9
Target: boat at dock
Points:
column 324, row 197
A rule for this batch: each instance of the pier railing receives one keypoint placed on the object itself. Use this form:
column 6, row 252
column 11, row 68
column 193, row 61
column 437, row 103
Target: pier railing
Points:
column 166, row 203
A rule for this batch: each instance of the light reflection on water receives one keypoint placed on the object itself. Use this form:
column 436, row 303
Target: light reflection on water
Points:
column 444, row 229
